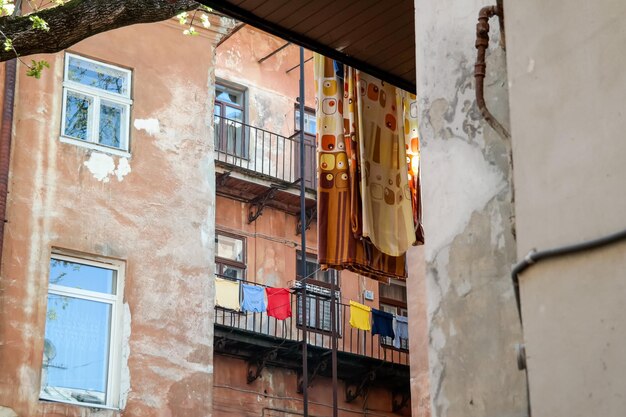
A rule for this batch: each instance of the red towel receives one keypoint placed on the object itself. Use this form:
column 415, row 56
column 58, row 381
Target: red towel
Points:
column 278, row 303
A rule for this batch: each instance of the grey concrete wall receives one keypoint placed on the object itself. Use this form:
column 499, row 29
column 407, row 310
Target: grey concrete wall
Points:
column 566, row 63
column 469, row 219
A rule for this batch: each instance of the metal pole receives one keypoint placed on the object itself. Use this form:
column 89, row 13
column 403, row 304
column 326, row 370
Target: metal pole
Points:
column 333, row 328
column 305, row 367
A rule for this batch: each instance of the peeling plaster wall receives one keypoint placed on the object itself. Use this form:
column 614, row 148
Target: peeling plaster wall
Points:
column 271, row 92
column 469, row 220
column 567, row 98
column 154, row 210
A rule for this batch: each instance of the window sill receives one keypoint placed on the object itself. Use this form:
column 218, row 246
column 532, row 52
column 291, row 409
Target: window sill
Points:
column 95, row 407
column 95, row 146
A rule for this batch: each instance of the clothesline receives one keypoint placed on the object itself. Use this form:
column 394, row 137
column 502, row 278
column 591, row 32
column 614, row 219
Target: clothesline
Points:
column 276, row 302
column 345, row 300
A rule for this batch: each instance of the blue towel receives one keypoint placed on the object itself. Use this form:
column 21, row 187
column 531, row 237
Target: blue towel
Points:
column 253, row 298
column 402, row 330
column 382, row 323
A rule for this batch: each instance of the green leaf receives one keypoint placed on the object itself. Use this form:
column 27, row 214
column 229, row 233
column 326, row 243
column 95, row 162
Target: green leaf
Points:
column 36, row 67
column 8, row 44
column 39, row 23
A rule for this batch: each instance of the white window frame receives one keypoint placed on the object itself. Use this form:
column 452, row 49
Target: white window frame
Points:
column 309, row 115
column 93, row 119
column 114, row 370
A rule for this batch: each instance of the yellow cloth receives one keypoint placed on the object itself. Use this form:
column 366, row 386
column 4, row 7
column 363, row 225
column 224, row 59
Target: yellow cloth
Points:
column 387, row 210
column 360, row 316
column 227, row 294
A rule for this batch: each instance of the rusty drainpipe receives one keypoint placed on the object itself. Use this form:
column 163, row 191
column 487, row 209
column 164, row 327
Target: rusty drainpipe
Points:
column 482, row 43
column 6, row 132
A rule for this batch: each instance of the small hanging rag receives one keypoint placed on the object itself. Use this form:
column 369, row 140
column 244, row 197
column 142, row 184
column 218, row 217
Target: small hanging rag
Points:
column 227, row 293
column 360, row 316
column 253, row 298
column 382, row 323
column 278, row 303
column 402, row 330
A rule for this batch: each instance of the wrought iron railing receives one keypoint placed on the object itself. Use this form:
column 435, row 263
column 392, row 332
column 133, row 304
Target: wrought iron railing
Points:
column 262, row 152
column 349, row 339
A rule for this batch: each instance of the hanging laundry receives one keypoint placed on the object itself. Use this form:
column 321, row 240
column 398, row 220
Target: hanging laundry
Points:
column 365, row 221
column 401, row 330
column 227, row 293
column 278, row 303
column 385, row 193
column 360, row 316
column 382, row 323
column 253, row 298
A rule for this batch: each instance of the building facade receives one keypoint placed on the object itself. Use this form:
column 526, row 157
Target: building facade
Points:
column 258, row 358
column 109, row 227
column 136, row 180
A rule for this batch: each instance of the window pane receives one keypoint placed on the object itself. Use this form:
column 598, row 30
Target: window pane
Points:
column 77, row 115
column 233, row 114
column 97, row 76
column 232, row 272
column 229, row 248
column 76, row 349
column 111, row 116
column 85, row 277
column 228, row 96
column 311, row 125
column 394, row 292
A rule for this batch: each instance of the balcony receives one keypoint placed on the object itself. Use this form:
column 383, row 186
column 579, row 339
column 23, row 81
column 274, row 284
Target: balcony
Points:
column 363, row 358
column 255, row 165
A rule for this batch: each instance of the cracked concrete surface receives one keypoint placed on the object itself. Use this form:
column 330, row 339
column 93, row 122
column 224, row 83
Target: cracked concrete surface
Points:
column 469, row 218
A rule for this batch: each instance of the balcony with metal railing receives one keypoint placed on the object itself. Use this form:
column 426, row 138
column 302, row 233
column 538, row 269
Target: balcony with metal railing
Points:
column 259, row 166
column 363, row 358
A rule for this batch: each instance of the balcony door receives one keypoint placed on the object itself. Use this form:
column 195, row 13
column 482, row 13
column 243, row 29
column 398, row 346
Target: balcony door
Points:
column 229, row 121
column 310, row 130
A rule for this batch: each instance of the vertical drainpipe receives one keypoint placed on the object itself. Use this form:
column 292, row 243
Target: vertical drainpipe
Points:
column 6, row 132
column 305, row 355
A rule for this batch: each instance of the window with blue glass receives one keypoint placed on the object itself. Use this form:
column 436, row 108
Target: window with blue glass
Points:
column 96, row 103
column 81, row 343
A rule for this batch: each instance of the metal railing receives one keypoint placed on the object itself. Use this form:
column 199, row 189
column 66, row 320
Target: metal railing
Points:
column 262, row 152
column 350, row 340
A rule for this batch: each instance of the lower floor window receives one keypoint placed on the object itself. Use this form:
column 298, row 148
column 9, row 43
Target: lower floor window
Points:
column 81, row 343
column 318, row 309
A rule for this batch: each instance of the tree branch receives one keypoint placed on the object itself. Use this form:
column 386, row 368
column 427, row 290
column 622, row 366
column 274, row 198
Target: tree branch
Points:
column 80, row 19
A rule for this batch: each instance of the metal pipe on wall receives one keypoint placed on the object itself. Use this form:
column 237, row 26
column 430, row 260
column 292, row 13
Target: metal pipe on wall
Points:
column 6, row 133
column 305, row 358
column 480, row 68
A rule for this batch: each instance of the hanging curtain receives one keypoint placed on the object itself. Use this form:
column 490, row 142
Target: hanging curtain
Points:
column 366, row 217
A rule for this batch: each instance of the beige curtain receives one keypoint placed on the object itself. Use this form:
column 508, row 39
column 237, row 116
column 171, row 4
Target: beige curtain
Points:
column 366, row 211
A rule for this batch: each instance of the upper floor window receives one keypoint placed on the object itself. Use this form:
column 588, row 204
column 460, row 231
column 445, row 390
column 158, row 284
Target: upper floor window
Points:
column 393, row 299
column 230, row 256
column 96, row 103
column 81, row 356
column 310, row 122
column 230, row 120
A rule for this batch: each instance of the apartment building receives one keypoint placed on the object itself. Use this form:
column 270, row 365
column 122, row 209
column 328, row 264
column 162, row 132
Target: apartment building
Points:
column 258, row 359
column 146, row 165
column 106, row 293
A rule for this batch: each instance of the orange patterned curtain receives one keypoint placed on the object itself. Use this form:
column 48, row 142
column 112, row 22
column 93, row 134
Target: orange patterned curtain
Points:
column 368, row 167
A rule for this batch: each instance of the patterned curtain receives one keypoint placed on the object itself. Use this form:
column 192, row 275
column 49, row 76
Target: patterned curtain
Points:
column 368, row 165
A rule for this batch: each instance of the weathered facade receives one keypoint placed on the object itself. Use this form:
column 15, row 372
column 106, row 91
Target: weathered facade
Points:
column 257, row 358
column 470, row 219
column 143, row 215
column 131, row 172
